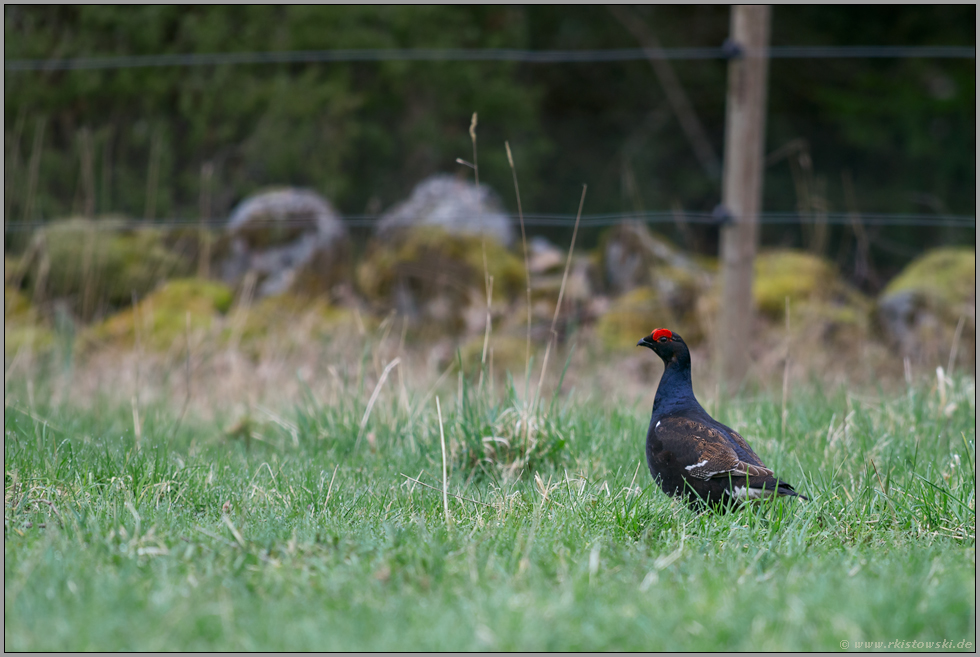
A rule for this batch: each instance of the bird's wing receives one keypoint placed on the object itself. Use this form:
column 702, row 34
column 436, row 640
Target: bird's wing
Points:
column 744, row 450
column 703, row 451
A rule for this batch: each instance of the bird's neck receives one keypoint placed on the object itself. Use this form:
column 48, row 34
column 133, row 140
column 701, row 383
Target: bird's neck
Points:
column 675, row 392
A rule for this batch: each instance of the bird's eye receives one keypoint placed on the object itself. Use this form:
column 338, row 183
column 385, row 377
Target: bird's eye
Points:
column 663, row 339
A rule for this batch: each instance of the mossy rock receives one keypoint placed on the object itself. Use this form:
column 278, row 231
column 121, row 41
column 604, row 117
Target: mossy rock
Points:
column 579, row 290
column 945, row 277
column 432, row 276
column 94, row 264
column 630, row 255
column 165, row 315
column 291, row 239
column 811, row 284
column 634, row 315
column 289, row 319
column 921, row 307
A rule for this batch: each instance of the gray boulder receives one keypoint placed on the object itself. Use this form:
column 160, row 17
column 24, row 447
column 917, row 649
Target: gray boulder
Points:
column 454, row 205
column 922, row 306
column 287, row 237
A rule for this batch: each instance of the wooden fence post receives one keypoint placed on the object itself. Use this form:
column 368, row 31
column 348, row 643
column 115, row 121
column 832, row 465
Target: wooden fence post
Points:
column 745, row 126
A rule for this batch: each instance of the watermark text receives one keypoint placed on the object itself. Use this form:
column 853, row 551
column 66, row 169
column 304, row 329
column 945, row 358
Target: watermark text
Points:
column 915, row 644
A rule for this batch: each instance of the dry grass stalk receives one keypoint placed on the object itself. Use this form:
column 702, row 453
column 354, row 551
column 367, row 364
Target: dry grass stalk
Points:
column 88, row 171
column 476, row 165
column 863, row 267
column 487, row 278
column 527, row 277
column 33, row 168
column 445, row 474
column 137, row 428
column 458, row 497
column 330, row 487
column 561, row 292
column 152, row 176
column 373, row 399
column 241, row 310
column 12, row 165
column 785, row 374
column 104, row 200
column 956, row 344
column 204, row 237
column 187, row 373
column 88, row 285
column 527, row 270
column 486, row 333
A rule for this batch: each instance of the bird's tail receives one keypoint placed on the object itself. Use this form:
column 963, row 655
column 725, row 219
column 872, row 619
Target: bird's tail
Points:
column 784, row 489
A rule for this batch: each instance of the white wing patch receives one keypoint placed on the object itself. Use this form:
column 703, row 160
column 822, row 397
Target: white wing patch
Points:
column 698, row 470
column 657, row 425
column 747, row 493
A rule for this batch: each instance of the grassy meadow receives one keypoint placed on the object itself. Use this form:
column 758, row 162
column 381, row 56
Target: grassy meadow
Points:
column 321, row 524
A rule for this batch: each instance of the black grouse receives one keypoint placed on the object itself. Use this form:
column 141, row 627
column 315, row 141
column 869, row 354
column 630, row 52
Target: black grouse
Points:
column 690, row 453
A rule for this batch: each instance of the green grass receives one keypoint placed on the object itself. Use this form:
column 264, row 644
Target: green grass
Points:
column 295, row 540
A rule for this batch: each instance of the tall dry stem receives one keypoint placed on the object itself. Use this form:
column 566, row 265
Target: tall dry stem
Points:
column 476, row 164
column 373, row 399
column 88, row 171
column 445, row 475
column 561, row 293
column 33, row 168
column 785, row 374
column 487, row 278
column 956, row 344
column 527, row 269
column 137, row 331
column 204, row 237
column 153, row 175
column 13, row 163
column 106, row 182
column 527, row 277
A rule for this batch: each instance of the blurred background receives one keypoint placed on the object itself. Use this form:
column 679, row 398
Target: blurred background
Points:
column 206, row 160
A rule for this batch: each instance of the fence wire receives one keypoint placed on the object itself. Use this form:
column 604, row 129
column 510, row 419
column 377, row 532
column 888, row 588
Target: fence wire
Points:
column 557, row 220
column 487, row 55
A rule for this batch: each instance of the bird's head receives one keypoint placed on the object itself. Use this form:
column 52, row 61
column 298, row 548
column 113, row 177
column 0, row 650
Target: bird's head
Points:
column 665, row 343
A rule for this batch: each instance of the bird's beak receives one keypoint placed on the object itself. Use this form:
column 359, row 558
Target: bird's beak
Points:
column 645, row 342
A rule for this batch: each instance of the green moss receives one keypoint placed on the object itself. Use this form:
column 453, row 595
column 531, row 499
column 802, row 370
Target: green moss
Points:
column 921, row 308
column 219, row 295
column 794, row 274
column 632, row 316
column 946, row 275
column 289, row 318
column 814, row 287
column 103, row 260
column 424, row 252
column 165, row 315
column 434, row 276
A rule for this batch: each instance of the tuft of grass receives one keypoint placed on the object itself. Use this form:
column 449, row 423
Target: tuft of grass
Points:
column 301, row 538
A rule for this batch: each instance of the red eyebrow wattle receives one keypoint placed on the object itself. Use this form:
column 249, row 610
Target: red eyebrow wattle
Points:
column 661, row 333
